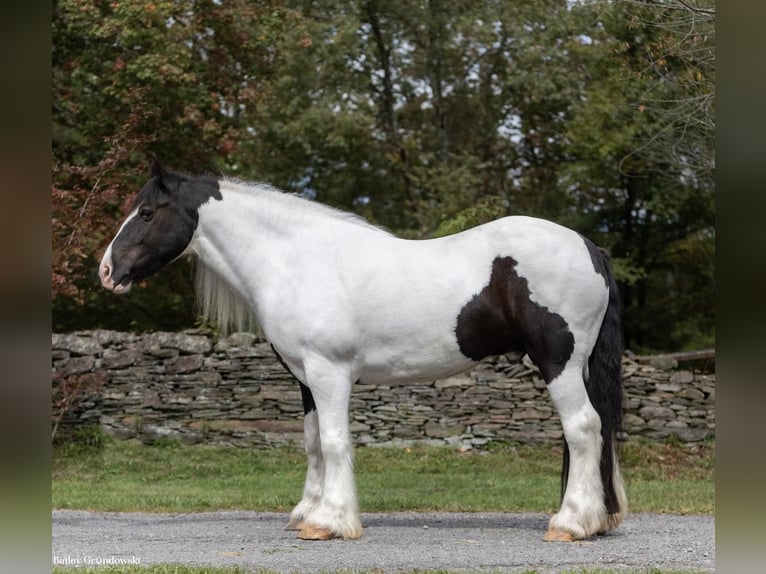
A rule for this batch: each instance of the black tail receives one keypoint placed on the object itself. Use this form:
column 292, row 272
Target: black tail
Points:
column 604, row 384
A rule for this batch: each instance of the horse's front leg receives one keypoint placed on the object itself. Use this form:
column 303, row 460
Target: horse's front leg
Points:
column 312, row 489
column 336, row 515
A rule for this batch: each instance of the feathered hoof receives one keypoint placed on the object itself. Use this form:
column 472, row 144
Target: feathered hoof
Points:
column 558, row 535
column 313, row 532
column 309, row 532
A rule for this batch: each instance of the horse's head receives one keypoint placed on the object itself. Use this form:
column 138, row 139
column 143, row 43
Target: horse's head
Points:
column 158, row 229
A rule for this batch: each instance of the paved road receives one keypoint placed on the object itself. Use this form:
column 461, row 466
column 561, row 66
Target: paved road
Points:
column 391, row 542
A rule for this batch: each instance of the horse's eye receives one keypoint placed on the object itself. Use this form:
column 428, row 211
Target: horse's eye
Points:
column 145, row 213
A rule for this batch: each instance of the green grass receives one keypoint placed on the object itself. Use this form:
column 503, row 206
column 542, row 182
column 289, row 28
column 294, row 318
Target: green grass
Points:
column 171, row 477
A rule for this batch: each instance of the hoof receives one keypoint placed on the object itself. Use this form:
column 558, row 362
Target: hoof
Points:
column 558, row 535
column 309, row 532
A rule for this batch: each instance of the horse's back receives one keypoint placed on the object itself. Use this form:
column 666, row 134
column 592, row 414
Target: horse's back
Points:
column 555, row 261
column 404, row 306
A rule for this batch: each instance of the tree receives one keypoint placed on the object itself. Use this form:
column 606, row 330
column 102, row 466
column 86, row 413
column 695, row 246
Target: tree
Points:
column 678, row 39
column 646, row 202
column 133, row 79
column 426, row 117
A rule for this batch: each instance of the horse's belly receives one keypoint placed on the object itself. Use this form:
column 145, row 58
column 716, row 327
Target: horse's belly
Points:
column 417, row 366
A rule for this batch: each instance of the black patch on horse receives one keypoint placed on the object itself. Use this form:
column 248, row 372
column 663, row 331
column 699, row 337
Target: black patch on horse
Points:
column 189, row 192
column 503, row 319
column 599, row 257
column 308, row 399
column 163, row 227
column 306, row 396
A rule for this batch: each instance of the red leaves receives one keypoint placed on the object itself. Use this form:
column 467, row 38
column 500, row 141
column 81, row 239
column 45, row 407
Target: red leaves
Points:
column 85, row 202
column 69, row 391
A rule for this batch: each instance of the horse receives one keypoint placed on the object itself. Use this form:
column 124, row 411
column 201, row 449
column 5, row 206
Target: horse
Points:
column 342, row 301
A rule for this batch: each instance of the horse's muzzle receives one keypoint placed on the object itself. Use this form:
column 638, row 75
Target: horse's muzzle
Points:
column 107, row 281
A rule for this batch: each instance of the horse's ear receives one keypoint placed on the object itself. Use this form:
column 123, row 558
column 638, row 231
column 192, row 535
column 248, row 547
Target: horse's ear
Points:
column 156, row 170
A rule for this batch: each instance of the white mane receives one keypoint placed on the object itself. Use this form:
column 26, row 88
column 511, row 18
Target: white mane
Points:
column 218, row 302
column 221, row 305
column 295, row 203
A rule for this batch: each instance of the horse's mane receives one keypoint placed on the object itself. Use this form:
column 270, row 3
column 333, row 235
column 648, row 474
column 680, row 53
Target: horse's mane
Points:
column 296, row 202
column 218, row 302
column 220, row 305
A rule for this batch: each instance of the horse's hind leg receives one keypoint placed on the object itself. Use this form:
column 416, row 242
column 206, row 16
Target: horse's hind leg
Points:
column 583, row 511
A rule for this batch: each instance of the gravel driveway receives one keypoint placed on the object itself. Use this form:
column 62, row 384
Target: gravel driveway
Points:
column 391, row 542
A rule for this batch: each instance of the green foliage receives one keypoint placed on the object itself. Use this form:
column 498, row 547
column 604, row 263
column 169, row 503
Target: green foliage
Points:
column 636, row 189
column 425, row 117
column 627, row 271
column 165, row 305
column 484, row 210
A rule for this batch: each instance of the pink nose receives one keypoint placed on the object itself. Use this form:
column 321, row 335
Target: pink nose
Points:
column 105, row 273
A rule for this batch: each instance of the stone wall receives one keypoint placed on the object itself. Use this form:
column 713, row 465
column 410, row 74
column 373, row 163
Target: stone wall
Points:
column 233, row 390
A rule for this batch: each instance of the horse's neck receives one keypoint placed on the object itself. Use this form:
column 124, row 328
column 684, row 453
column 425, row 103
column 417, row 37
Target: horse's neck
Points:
column 239, row 242
column 256, row 239
column 241, row 237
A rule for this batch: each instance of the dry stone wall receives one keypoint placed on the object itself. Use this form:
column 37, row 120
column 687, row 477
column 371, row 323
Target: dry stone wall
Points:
column 195, row 388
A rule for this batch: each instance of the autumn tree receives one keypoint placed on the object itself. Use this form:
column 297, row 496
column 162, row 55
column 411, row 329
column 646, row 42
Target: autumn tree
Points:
column 426, row 117
column 133, row 79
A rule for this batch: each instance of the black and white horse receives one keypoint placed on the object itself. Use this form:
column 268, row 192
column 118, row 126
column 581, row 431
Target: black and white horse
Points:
column 341, row 301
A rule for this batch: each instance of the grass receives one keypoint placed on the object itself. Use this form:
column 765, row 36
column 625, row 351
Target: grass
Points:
column 171, row 477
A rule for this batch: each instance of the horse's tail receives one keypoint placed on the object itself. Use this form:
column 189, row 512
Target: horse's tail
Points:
column 604, row 387
column 603, row 383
